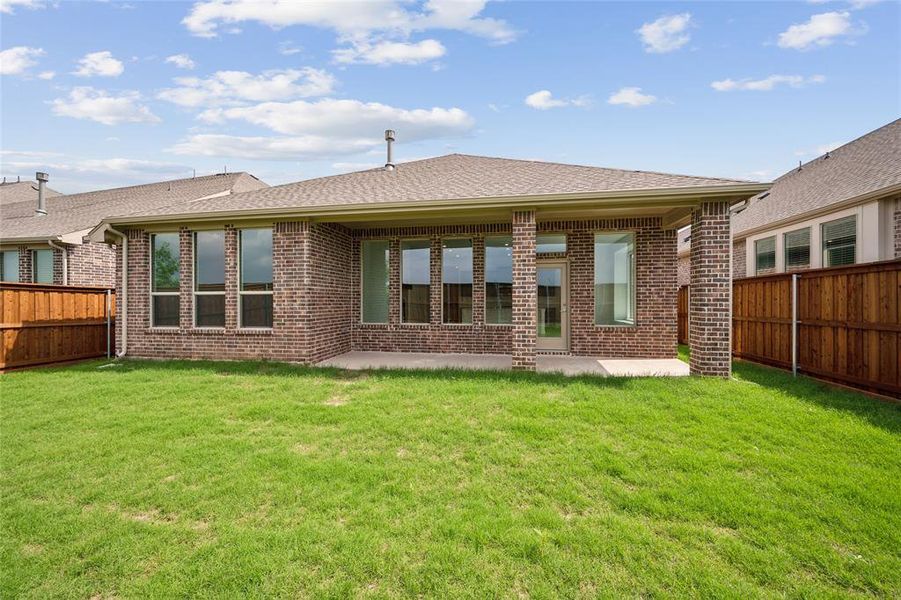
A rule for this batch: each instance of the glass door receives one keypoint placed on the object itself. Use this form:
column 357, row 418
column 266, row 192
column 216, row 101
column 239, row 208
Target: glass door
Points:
column 553, row 307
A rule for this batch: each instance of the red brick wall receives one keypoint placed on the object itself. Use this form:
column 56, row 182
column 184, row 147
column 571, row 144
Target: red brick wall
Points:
column 898, row 228
column 316, row 300
column 710, row 318
column 739, row 259
column 683, row 270
column 92, row 264
column 525, row 290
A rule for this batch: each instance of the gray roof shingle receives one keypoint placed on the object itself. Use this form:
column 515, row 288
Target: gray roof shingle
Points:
column 78, row 212
column 450, row 177
column 23, row 191
column 866, row 165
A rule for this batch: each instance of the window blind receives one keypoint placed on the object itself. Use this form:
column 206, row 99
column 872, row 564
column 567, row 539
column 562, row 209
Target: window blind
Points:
column 375, row 281
column 765, row 250
column 839, row 242
column 797, row 249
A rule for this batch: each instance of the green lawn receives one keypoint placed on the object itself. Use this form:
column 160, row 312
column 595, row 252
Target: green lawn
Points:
column 179, row 479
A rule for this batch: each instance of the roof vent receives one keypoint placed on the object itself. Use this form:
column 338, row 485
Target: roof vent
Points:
column 42, row 178
column 389, row 137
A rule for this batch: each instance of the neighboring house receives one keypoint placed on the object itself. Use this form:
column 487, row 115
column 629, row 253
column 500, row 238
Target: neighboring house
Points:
column 50, row 248
column 22, row 191
column 841, row 208
column 458, row 253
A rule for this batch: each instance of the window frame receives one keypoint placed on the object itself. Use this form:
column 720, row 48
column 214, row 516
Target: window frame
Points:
column 401, row 282
column 472, row 268
column 387, row 241
column 195, row 292
column 555, row 253
column 823, row 252
column 153, row 293
column 34, row 265
column 785, row 266
column 3, row 273
column 633, row 278
column 242, row 293
column 485, row 279
column 775, row 267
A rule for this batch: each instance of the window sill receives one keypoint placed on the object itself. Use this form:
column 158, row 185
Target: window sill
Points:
column 254, row 331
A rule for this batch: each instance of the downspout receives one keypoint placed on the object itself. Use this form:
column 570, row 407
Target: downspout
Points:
column 124, row 315
column 65, row 254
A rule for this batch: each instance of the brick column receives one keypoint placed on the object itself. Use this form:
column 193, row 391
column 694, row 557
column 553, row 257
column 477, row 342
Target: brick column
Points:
column 186, row 278
column 710, row 311
column 525, row 291
column 478, row 280
column 25, row 264
column 436, row 295
column 231, row 277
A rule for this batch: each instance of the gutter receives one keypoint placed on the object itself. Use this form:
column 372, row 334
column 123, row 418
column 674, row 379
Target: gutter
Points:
column 611, row 199
column 124, row 315
column 65, row 253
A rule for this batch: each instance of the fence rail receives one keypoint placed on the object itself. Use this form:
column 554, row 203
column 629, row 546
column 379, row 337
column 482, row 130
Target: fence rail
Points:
column 848, row 323
column 43, row 324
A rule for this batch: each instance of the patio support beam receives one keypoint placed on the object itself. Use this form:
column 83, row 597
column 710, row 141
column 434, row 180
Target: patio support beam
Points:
column 525, row 291
column 710, row 309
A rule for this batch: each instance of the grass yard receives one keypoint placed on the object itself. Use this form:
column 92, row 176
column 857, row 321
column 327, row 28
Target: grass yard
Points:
column 178, row 479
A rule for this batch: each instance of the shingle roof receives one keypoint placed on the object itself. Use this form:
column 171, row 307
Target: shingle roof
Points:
column 77, row 212
column 23, row 191
column 450, row 177
column 868, row 164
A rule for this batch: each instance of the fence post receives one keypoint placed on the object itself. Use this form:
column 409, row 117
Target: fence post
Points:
column 795, row 324
column 108, row 330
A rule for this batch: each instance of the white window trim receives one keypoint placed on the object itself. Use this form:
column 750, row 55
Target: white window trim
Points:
column 362, row 320
column 401, row 282
column 634, row 276
column 485, row 280
column 152, row 293
column 856, row 239
column 775, row 254
column 816, row 242
column 472, row 267
column 242, row 293
column 195, row 292
column 809, row 248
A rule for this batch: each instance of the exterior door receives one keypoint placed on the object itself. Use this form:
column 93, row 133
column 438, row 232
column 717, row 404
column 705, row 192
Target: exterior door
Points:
column 553, row 306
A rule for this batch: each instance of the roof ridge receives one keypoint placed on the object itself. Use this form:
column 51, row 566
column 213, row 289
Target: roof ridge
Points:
column 155, row 183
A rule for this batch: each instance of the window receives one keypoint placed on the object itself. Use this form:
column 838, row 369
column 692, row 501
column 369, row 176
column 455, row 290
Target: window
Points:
column 550, row 243
column 9, row 266
column 797, row 249
column 765, row 251
column 165, row 279
column 456, row 281
column 42, row 266
column 374, row 274
column 614, row 279
column 255, row 277
column 209, row 279
column 840, row 242
column 414, row 300
column 499, row 280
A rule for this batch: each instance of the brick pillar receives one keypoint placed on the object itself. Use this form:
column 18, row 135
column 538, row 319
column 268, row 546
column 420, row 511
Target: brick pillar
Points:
column 525, row 291
column 25, row 264
column 478, row 280
column 231, row 277
column 186, row 278
column 710, row 311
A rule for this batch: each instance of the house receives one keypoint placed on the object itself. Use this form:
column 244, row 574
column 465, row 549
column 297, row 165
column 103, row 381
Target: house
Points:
column 463, row 254
column 41, row 241
column 13, row 192
column 843, row 207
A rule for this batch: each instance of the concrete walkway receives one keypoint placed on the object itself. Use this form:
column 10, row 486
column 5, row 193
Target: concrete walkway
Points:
column 567, row 365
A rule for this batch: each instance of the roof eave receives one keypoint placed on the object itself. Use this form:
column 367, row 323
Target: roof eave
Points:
column 731, row 193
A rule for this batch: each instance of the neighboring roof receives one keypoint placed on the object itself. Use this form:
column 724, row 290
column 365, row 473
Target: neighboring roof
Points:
column 79, row 212
column 683, row 241
column 450, row 177
column 858, row 169
column 23, row 191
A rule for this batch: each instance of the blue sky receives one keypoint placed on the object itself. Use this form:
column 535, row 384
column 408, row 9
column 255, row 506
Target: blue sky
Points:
column 113, row 93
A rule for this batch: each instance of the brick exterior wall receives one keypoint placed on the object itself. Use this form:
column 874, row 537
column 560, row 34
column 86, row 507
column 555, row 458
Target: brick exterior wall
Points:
column 525, row 290
column 92, row 264
column 710, row 311
column 683, row 271
column 898, row 228
column 316, row 298
column 24, row 264
column 739, row 260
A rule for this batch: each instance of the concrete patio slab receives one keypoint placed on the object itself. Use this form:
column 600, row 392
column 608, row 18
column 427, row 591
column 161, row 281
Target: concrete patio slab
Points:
column 566, row 365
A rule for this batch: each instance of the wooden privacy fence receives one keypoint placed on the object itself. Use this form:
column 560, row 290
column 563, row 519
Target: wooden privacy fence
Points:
column 44, row 324
column 847, row 325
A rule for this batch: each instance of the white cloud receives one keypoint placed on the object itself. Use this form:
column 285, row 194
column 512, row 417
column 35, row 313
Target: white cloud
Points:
column 357, row 21
column 544, row 100
column 666, row 34
column 100, row 106
column 100, row 64
column 325, row 128
column 17, row 60
column 182, row 61
column 767, row 84
column 631, row 96
column 288, row 49
column 47, row 75
column 231, row 87
column 9, row 6
column 820, row 30
column 386, row 53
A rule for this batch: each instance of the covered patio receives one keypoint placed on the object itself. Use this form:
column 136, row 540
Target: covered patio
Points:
column 544, row 363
